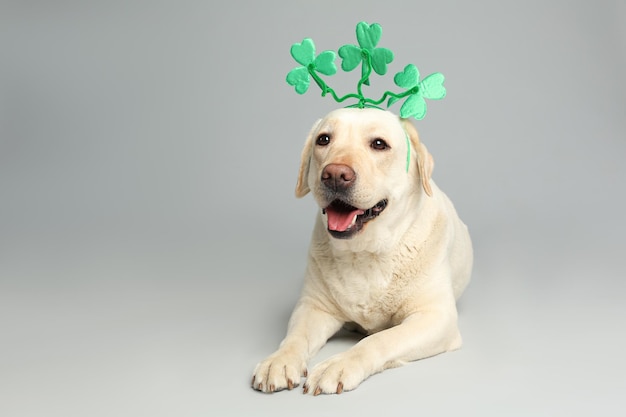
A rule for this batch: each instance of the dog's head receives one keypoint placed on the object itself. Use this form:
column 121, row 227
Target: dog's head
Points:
column 363, row 166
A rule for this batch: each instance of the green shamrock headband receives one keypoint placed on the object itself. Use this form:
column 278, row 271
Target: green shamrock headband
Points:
column 371, row 59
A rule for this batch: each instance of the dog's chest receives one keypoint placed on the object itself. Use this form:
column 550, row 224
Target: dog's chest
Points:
column 365, row 291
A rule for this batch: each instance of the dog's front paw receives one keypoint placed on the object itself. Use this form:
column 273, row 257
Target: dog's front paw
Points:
column 278, row 372
column 335, row 375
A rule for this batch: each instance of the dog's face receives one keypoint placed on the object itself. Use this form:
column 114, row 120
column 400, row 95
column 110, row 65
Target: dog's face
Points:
column 360, row 166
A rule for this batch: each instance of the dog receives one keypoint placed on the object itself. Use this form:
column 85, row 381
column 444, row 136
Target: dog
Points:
column 389, row 256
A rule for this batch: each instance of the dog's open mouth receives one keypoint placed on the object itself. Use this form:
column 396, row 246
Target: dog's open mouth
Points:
column 344, row 220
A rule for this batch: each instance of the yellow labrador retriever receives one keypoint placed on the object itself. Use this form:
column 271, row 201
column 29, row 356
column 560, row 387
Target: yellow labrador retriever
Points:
column 388, row 256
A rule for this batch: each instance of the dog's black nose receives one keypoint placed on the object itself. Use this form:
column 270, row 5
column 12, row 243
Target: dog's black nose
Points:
column 338, row 177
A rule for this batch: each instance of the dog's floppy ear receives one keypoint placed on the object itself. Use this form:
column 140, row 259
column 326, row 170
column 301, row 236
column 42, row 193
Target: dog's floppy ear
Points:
column 425, row 163
column 302, row 186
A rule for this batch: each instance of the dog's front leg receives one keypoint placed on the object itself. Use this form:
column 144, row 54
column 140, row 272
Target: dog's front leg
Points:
column 420, row 335
column 308, row 330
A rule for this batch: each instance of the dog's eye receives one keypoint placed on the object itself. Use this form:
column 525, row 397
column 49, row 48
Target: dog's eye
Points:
column 322, row 140
column 379, row 144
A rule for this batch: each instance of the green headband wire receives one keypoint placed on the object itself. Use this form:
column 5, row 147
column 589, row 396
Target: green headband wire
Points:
column 408, row 151
column 372, row 59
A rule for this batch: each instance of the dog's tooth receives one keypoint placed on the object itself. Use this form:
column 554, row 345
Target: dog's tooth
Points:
column 353, row 220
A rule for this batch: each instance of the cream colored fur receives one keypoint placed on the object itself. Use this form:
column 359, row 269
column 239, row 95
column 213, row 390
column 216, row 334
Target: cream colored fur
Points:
column 397, row 280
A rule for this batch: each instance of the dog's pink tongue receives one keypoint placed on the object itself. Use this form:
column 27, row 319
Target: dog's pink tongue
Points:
column 340, row 220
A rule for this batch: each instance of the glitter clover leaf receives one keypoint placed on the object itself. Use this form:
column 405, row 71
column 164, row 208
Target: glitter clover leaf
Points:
column 368, row 37
column 304, row 54
column 430, row 87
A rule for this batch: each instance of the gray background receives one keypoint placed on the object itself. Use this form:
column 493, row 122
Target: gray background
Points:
column 151, row 247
